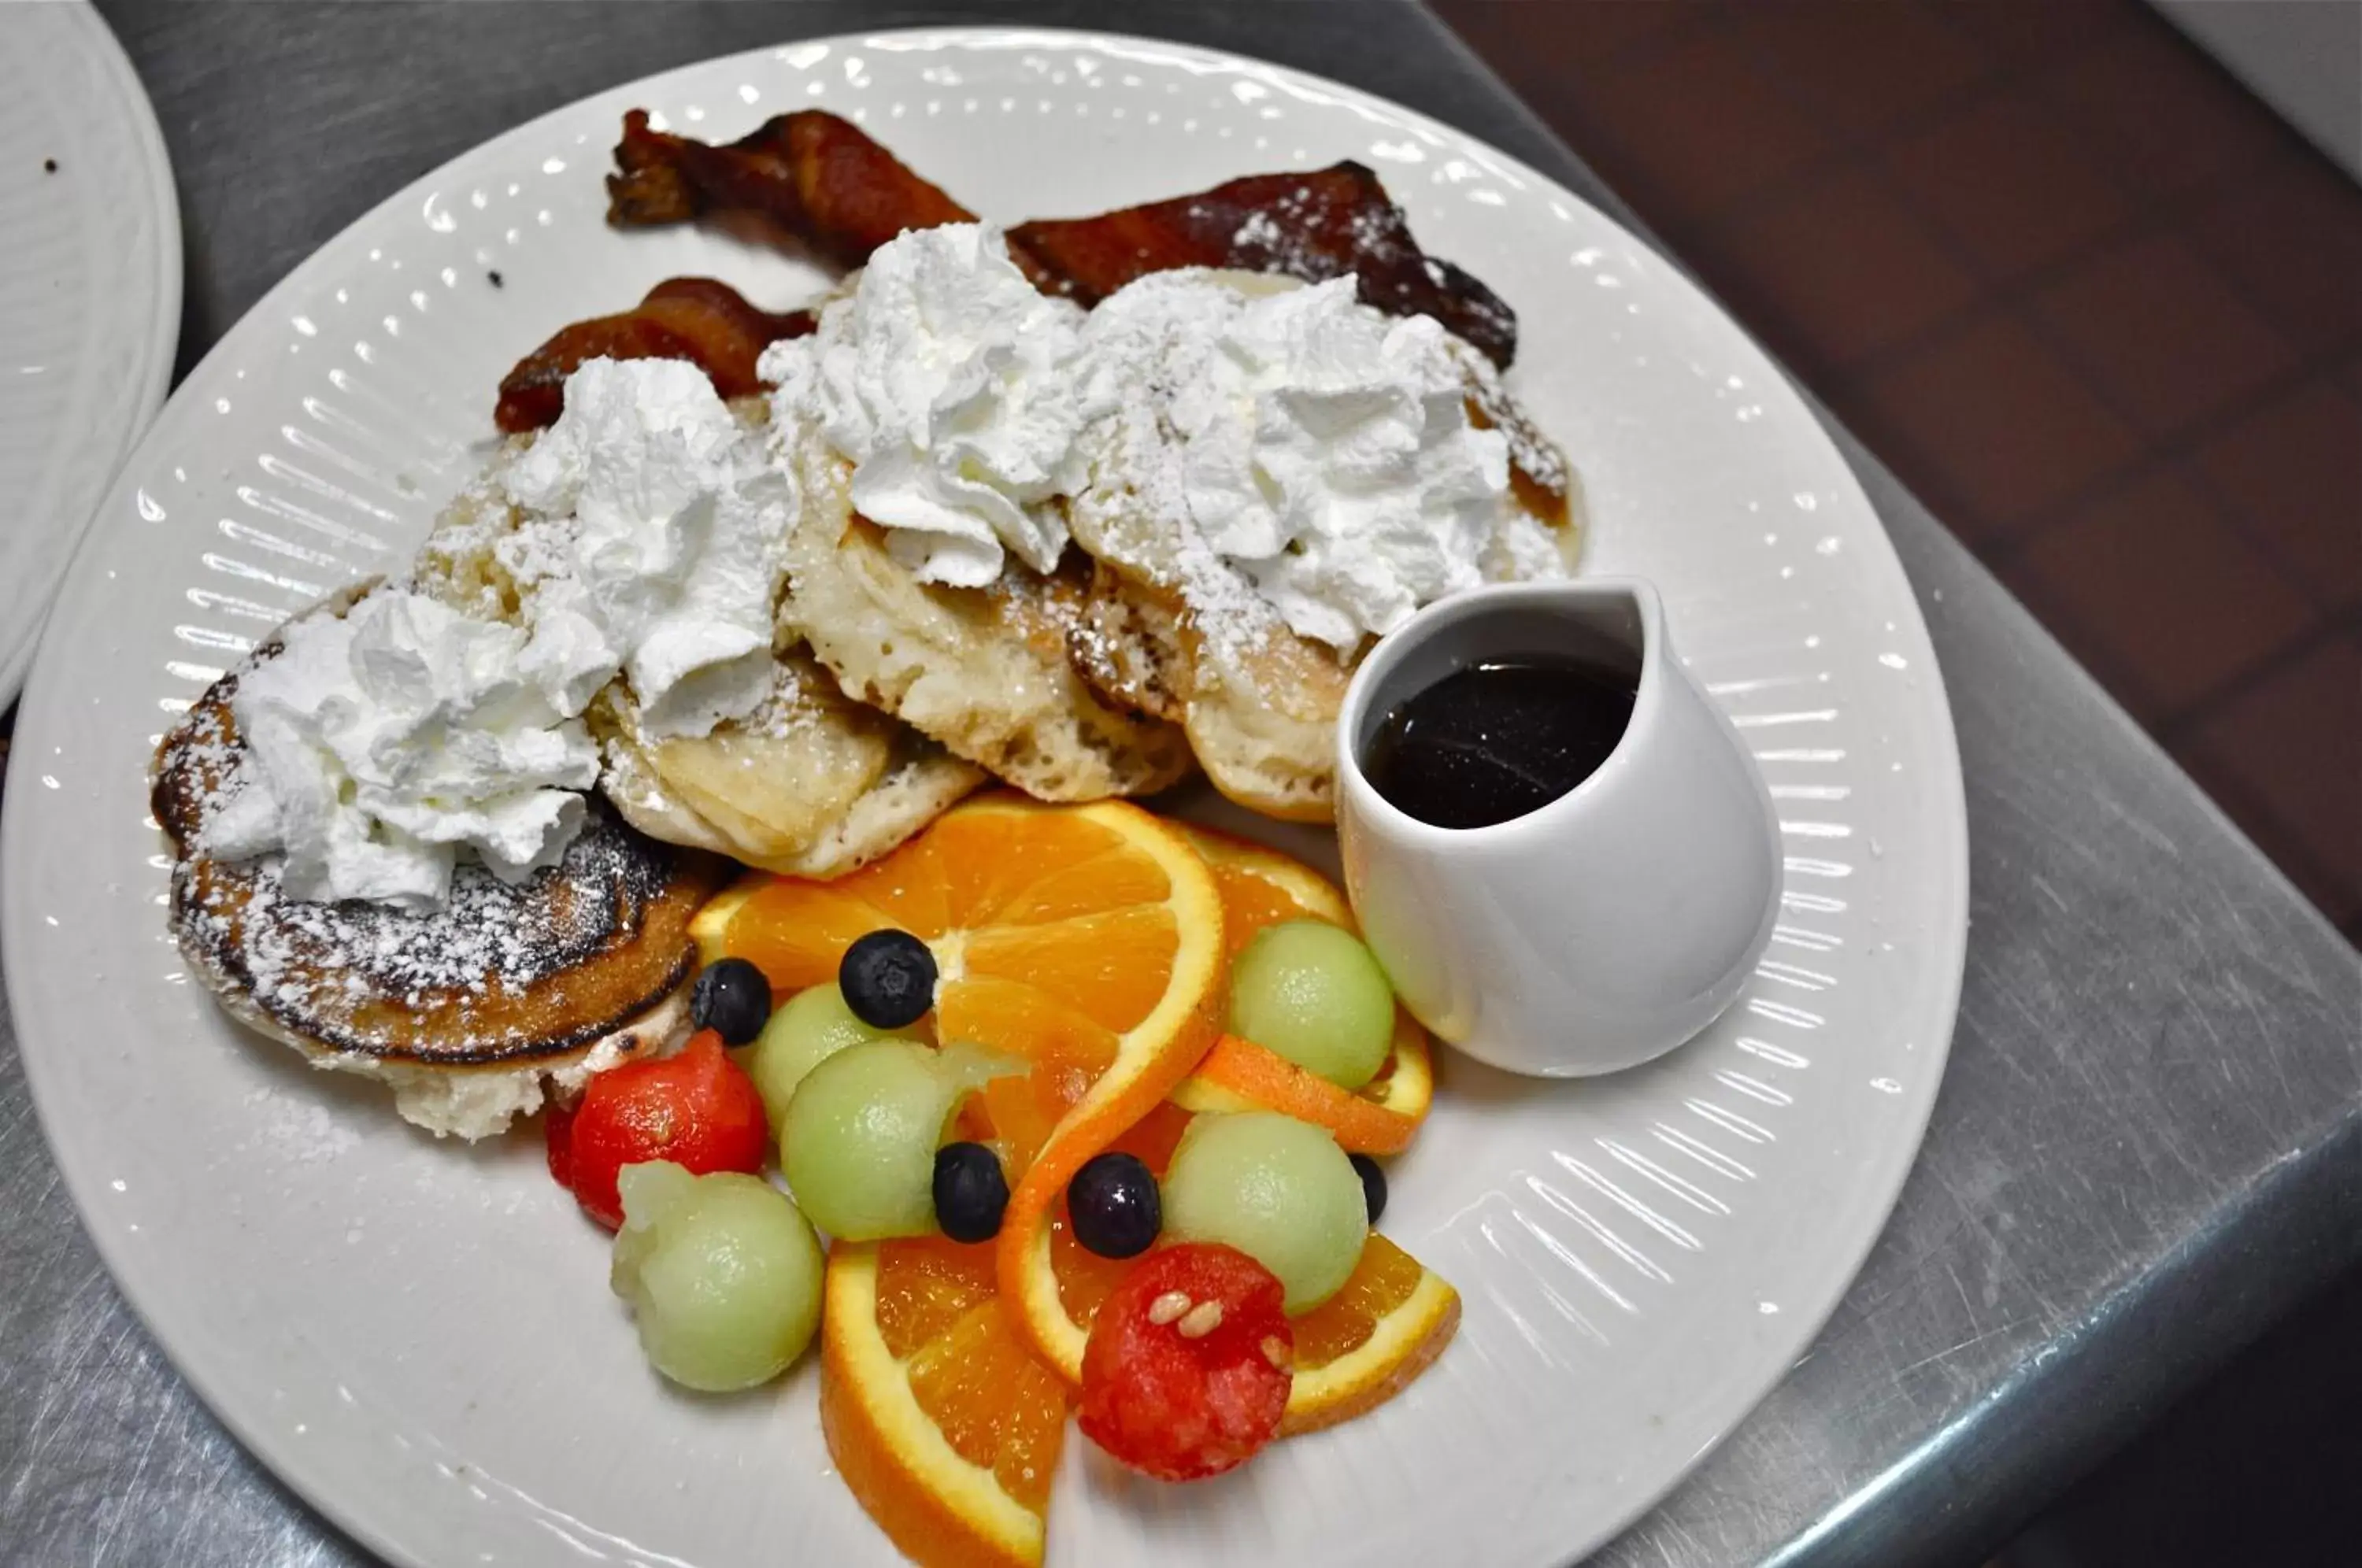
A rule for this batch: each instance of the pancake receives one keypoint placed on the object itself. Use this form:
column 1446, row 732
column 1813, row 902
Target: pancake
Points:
column 812, row 784
column 1169, row 629
column 985, row 671
column 473, row 1013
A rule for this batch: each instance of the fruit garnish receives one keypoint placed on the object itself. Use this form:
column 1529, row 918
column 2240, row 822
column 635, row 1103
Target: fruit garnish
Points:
column 1089, row 944
column 888, row 978
column 1384, row 1326
column 558, row 1137
column 1261, row 888
column 722, row 1274
column 814, row 1025
column 971, row 1192
column 1239, row 1074
column 698, row 1110
column 1311, row 992
column 1364, row 1345
column 1373, row 1184
column 1187, row 1368
column 1112, row 1205
column 858, row 1145
column 731, row 998
column 1277, row 1190
column 942, row 1425
column 1086, row 940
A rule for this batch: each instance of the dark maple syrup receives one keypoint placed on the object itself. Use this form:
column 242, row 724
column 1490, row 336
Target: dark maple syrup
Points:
column 1498, row 740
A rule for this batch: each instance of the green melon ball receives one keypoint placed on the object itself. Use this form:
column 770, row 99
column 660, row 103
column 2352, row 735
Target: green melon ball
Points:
column 1314, row 994
column 858, row 1143
column 814, row 1025
column 1279, row 1190
column 859, row 1140
column 722, row 1274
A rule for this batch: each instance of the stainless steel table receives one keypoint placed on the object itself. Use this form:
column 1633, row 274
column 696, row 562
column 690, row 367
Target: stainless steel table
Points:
column 2148, row 1145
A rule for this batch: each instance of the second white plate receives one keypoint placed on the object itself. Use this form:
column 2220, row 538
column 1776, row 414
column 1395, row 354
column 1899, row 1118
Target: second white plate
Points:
column 419, row 1338
column 90, row 297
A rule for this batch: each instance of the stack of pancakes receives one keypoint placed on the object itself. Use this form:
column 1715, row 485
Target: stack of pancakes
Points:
column 891, row 698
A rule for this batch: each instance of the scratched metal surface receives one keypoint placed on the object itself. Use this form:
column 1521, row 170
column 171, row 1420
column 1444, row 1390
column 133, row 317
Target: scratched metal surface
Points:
column 2148, row 1145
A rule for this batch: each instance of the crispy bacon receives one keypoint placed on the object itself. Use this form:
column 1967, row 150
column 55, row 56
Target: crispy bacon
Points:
column 681, row 318
column 821, row 178
column 1315, row 225
column 825, row 180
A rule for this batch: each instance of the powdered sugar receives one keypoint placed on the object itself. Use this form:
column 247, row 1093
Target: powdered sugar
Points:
column 370, row 978
column 1530, row 453
column 1134, row 513
column 1258, row 230
column 298, row 1129
column 1269, row 451
column 1284, row 237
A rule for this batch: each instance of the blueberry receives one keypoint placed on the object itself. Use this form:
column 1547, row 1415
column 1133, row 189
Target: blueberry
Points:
column 733, row 999
column 1114, row 1206
column 1373, row 1184
column 889, row 979
column 971, row 1192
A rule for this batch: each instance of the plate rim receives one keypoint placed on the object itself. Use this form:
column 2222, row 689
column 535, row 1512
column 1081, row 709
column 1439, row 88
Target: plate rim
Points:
column 167, row 260
column 287, row 1460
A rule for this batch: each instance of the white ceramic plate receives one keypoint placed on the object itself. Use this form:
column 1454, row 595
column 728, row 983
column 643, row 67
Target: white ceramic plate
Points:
column 90, row 295
column 419, row 1338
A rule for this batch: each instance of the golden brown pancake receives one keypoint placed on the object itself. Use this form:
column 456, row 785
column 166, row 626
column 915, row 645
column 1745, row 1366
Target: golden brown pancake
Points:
column 985, row 671
column 577, row 967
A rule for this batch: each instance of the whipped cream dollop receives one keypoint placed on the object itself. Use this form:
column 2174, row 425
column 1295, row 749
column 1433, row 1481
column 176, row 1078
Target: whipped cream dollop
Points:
column 653, row 544
column 1317, row 446
column 948, row 382
column 382, row 743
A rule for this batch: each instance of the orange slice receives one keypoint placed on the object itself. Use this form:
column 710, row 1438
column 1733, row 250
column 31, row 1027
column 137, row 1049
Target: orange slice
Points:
column 1085, row 940
column 1239, row 1074
column 1149, row 1061
column 1261, row 886
column 947, row 1431
column 1364, row 1345
column 944, row 1428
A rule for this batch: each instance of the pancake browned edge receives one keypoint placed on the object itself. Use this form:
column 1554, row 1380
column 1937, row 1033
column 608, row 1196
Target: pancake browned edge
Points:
column 987, row 672
column 1258, row 702
column 474, row 1014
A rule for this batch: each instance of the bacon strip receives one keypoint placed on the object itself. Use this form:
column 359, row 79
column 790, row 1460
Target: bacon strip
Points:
column 1316, row 226
column 825, row 180
column 821, row 178
column 681, row 318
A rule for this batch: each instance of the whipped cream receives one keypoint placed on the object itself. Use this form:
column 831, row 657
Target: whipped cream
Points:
column 653, row 544
column 1320, row 448
column 382, row 743
column 947, row 380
